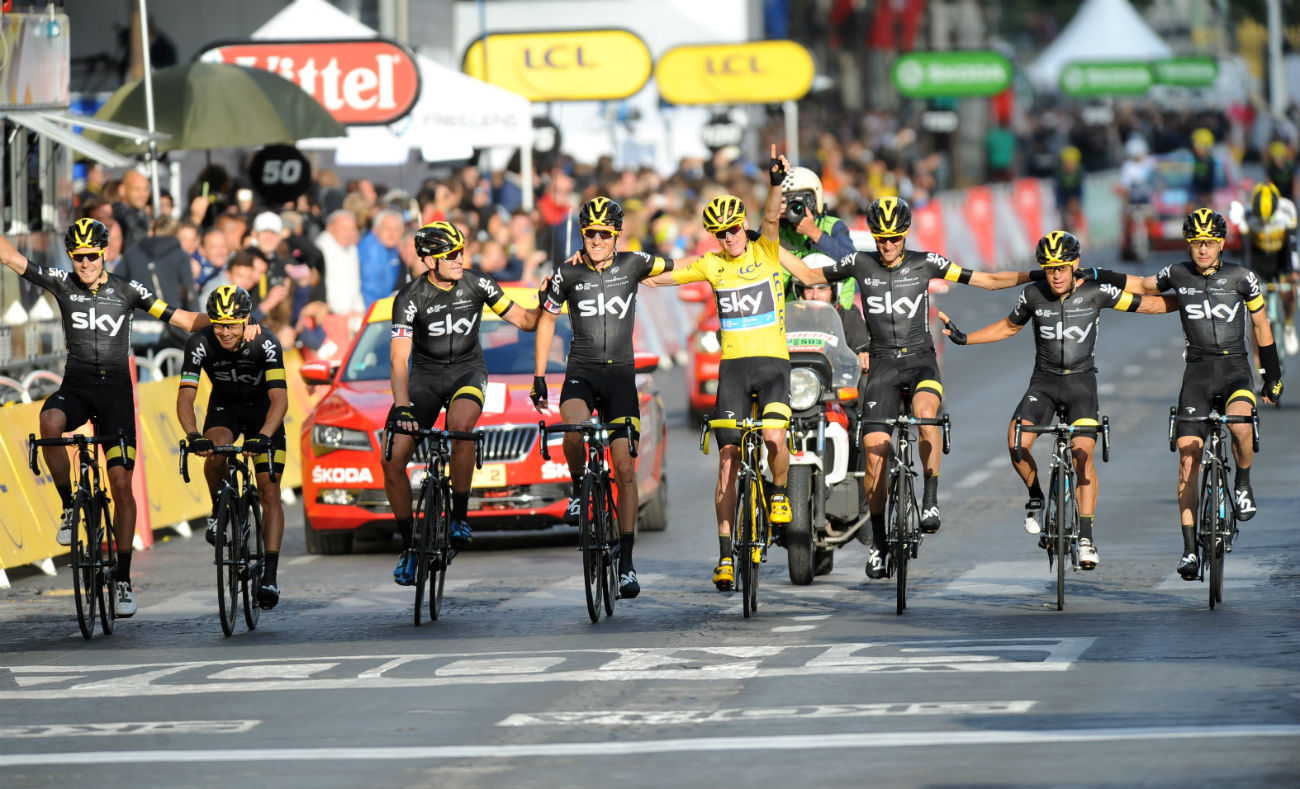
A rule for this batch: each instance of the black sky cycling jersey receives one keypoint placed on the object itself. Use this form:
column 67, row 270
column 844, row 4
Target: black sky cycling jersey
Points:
column 896, row 301
column 1065, row 329
column 243, row 376
column 1210, row 306
column 602, row 305
column 443, row 324
column 97, row 323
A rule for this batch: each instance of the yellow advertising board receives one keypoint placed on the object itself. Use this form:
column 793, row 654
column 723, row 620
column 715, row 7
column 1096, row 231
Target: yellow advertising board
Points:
column 754, row 72
column 29, row 505
column 562, row 65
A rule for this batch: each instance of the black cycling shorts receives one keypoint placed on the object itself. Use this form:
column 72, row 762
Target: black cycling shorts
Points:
column 1271, row 266
column 434, row 389
column 609, row 389
column 1076, row 393
column 766, row 378
column 889, row 374
column 109, row 406
column 1206, row 380
column 246, row 420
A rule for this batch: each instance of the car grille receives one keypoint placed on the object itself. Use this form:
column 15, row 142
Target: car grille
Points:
column 501, row 443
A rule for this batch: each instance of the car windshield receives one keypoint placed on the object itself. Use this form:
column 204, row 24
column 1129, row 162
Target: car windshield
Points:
column 507, row 350
column 1174, row 171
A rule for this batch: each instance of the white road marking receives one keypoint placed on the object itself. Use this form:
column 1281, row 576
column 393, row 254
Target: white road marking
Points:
column 1131, row 369
column 1107, row 389
column 703, row 663
column 740, row 714
column 565, row 593
column 1154, row 353
column 304, row 559
column 810, row 617
column 793, row 628
column 1001, row 579
column 990, row 467
column 1240, row 573
column 124, row 728
column 185, row 605
column 805, row 742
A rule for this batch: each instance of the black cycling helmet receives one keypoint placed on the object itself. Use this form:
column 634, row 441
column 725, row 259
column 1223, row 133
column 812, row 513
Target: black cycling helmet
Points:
column 86, row 233
column 438, row 239
column 600, row 212
column 1057, row 248
column 889, row 216
column 229, row 304
column 1205, row 224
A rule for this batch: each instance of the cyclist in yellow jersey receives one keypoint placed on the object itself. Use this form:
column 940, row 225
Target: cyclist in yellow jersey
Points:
column 747, row 284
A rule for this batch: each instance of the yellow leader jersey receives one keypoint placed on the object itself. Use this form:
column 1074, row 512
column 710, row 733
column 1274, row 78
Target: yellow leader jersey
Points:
column 747, row 288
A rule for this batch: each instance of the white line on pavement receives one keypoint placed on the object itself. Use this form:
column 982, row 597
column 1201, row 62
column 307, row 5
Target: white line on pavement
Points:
column 806, row 742
column 753, row 714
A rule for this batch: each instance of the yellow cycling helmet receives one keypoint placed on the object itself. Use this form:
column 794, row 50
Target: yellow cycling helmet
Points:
column 1263, row 200
column 723, row 212
column 438, row 239
column 1205, row 224
column 1202, row 138
column 1057, row 248
column 1278, row 150
column 1071, row 155
column 229, row 304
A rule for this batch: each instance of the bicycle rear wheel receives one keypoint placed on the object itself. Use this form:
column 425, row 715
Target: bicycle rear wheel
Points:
column 106, row 587
column 422, row 543
column 83, row 564
column 609, row 545
column 253, row 551
column 589, row 530
column 227, row 561
column 440, row 557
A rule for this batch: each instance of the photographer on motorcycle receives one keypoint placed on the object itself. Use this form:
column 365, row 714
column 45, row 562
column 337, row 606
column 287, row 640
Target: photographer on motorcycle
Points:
column 807, row 229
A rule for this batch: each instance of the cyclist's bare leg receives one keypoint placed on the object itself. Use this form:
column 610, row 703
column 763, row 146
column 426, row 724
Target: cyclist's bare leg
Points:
column 724, row 498
column 625, row 480
column 53, row 424
column 1189, row 467
column 572, row 411
column 1243, row 449
column 214, row 466
column 397, row 486
column 1025, row 466
column 778, row 455
column 876, row 447
column 268, row 493
column 462, row 415
column 925, row 405
column 119, row 489
column 1086, row 469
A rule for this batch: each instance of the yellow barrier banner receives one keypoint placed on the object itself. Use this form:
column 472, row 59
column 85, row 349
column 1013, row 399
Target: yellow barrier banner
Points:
column 562, row 65
column 29, row 505
column 171, row 501
column 755, row 72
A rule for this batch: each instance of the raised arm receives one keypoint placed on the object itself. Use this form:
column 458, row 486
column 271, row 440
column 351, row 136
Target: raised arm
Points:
column 801, row 270
column 11, row 257
column 772, row 208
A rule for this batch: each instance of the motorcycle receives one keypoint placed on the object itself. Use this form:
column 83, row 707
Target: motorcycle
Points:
column 823, row 490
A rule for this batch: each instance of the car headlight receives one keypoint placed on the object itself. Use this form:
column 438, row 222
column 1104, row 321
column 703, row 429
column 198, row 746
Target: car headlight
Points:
column 805, row 388
column 327, row 438
column 707, row 342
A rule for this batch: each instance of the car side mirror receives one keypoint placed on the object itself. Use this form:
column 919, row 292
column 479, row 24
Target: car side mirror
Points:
column 318, row 373
column 646, row 363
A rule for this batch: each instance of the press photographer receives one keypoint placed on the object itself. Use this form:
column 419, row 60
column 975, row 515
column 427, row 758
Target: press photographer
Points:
column 807, row 228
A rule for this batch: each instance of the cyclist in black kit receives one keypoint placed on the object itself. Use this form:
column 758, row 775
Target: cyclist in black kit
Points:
column 1066, row 318
column 97, row 310
column 436, row 330
column 1211, row 293
column 249, row 398
column 601, row 293
column 895, row 286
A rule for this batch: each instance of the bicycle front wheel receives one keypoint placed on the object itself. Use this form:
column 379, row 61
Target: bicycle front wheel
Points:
column 227, row 561
column 1059, row 529
column 440, row 558
column 422, row 543
column 905, row 526
column 253, row 551
column 609, row 545
column 1214, row 502
column 105, row 562
column 746, row 528
column 84, row 556
column 589, row 531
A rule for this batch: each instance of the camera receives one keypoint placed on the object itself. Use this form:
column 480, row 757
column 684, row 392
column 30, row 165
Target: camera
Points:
column 797, row 204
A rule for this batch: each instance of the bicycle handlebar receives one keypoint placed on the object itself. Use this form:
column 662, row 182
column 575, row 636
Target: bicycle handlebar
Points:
column 744, row 426
column 589, row 430
column 476, row 436
column 77, row 440
column 225, row 450
column 1066, row 430
column 944, row 422
column 1214, row 418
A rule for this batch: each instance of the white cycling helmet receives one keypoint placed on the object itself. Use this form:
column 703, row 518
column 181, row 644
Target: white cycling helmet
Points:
column 802, row 179
column 1135, row 148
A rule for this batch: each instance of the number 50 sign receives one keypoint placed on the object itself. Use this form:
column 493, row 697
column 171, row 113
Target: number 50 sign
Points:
column 280, row 174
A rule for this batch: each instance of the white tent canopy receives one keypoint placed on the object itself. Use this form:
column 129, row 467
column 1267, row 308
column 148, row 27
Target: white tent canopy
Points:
column 466, row 114
column 1101, row 30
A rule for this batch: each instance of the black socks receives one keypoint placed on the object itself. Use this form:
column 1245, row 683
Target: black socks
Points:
column 459, row 506
column 404, row 528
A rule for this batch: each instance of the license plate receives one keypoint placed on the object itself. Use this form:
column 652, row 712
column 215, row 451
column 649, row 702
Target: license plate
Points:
column 492, row 475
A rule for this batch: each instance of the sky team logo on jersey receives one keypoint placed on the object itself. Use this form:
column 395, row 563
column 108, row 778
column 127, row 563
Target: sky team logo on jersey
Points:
column 748, row 307
column 616, row 306
column 1207, row 311
column 452, row 325
column 888, row 304
column 96, row 321
column 269, row 347
column 1062, row 332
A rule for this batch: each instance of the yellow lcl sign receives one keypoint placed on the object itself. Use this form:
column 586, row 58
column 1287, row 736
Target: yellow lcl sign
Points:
column 564, row 65
column 756, row 72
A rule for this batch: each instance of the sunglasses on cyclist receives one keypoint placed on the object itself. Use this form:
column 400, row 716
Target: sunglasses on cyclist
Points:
column 603, row 235
column 87, row 257
column 721, row 235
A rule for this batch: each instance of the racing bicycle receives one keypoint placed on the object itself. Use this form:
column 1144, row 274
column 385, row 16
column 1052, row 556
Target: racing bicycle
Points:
column 1216, row 523
column 1273, row 295
column 240, row 552
column 598, row 536
column 431, row 539
column 94, row 545
column 1061, row 518
column 903, row 533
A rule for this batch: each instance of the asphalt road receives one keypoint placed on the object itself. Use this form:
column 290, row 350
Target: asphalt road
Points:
column 980, row 683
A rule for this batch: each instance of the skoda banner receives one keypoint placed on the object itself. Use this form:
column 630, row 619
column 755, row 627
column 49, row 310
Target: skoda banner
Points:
column 756, row 72
column 564, row 65
column 928, row 75
column 1106, row 78
column 1187, row 72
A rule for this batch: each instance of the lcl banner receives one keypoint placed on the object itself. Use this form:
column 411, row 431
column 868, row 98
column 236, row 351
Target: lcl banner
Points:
column 561, row 65
column 362, row 82
column 756, row 72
